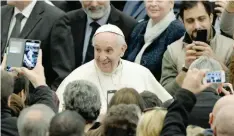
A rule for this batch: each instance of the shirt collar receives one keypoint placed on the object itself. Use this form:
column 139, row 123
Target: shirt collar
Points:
column 115, row 71
column 27, row 10
column 101, row 21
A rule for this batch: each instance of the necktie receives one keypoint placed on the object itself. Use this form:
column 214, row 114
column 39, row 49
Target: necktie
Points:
column 90, row 50
column 16, row 30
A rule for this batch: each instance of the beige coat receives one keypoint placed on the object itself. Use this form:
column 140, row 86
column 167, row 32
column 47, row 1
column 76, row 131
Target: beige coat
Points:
column 174, row 59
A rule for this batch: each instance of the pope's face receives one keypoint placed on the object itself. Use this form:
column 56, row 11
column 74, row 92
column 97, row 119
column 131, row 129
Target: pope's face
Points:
column 107, row 51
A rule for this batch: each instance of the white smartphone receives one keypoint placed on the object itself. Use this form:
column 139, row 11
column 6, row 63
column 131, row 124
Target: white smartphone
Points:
column 110, row 94
column 214, row 77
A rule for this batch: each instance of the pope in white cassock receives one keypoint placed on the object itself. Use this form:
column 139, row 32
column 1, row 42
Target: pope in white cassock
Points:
column 109, row 72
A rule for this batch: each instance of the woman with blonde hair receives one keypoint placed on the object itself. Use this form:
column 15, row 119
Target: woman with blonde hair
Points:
column 151, row 122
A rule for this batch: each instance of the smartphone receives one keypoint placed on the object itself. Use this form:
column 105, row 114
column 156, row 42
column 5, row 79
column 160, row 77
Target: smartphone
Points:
column 31, row 52
column 15, row 53
column 201, row 35
column 214, row 77
column 110, row 94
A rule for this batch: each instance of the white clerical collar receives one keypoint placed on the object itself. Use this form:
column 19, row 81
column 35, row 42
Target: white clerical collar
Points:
column 27, row 10
column 115, row 71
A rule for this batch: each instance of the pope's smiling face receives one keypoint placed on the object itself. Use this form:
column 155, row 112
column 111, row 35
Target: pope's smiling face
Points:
column 107, row 51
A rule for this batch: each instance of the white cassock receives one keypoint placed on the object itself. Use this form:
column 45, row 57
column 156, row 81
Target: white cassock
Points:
column 127, row 74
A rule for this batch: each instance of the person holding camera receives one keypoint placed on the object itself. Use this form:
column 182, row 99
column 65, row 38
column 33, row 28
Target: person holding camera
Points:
column 199, row 40
column 42, row 95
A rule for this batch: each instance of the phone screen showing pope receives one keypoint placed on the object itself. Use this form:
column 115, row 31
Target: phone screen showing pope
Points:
column 31, row 52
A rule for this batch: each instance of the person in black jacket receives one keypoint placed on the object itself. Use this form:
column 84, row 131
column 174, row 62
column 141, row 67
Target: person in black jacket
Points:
column 41, row 95
column 176, row 119
column 8, row 123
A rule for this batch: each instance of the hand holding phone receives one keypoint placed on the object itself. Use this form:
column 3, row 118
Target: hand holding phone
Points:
column 22, row 52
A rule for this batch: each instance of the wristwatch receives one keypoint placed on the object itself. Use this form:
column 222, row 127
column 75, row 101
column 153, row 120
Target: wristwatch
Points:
column 184, row 69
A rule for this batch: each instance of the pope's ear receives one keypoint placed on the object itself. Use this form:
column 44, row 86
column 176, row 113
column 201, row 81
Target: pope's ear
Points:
column 124, row 48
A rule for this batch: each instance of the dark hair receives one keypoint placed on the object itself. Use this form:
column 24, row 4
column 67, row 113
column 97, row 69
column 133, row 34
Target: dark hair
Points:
column 22, row 83
column 150, row 99
column 185, row 5
column 16, row 105
column 67, row 123
column 7, row 86
column 127, row 96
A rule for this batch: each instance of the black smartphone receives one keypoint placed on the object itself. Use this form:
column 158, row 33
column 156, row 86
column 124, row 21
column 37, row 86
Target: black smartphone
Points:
column 110, row 94
column 15, row 53
column 31, row 53
column 201, row 35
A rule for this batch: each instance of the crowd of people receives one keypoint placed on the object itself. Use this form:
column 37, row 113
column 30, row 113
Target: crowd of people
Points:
column 133, row 68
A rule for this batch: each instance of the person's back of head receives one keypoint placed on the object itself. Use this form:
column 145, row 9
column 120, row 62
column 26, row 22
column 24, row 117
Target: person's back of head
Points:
column 221, row 103
column 35, row 120
column 16, row 105
column 83, row 97
column 7, row 86
column 121, row 120
column 209, row 63
column 151, row 122
column 127, row 96
column 224, row 122
column 21, row 87
column 150, row 99
column 67, row 123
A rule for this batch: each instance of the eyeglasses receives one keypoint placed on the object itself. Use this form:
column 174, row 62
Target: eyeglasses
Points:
column 154, row 108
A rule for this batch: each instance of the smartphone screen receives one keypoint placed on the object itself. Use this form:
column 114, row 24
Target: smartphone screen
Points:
column 110, row 94
column 201, row 35
column 31, row 52
column 215, row 77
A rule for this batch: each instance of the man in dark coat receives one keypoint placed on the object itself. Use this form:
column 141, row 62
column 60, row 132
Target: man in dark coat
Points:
column 38, row 20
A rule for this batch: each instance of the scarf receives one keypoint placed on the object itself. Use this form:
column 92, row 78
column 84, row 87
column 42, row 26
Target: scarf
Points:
column 153, row 31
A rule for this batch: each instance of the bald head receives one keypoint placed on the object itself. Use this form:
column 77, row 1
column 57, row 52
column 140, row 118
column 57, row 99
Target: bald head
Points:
column 224, row 101
column 224, row 122
column 39, row 113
